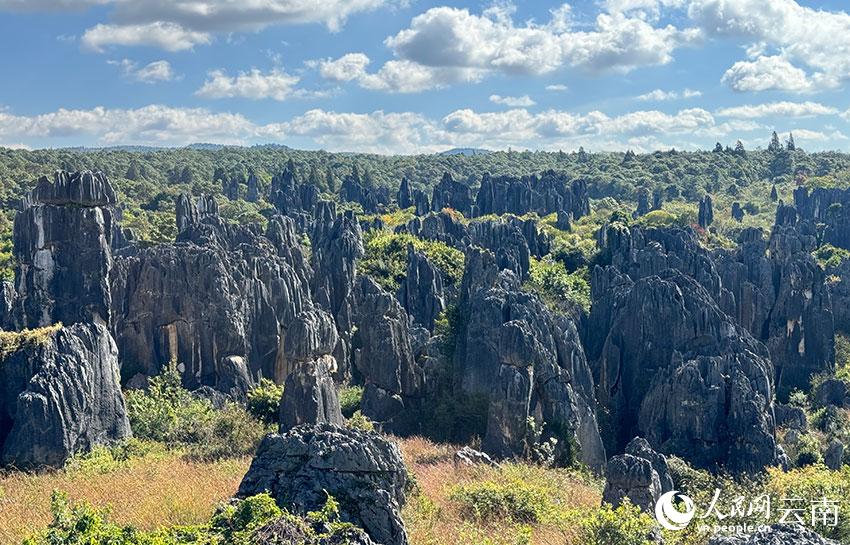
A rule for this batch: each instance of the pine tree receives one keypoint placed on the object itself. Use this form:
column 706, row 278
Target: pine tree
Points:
column 773, row 194
column 582, row 155
column 330, row 180
column 790, row 146
column 718, row 148
column 739, row 148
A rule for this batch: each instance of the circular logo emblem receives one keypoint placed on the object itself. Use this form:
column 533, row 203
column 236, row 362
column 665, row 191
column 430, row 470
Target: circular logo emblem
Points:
column 668, row 516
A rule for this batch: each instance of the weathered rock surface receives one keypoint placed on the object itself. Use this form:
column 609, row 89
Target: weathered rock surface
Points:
column 640, row 474
column 705, row 217
column 672, row 367
column 469, row 457
column 548, row 194
column 62, row 238
column 737, row 212
column 337, row 244
column 220, row 292
column 253, row 192
column 421, row 293
column 777, row 534
column 60, row 395
column 530, row 362
column 309, row 395
column 451, row 194
column 283, row 531
column 385, row 356
column 832, row 392
column 362, row 471
column 834, row 455
column 642, row 203
column 790, row 417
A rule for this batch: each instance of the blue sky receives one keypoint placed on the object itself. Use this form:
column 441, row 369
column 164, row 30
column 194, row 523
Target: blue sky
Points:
column 396, row 76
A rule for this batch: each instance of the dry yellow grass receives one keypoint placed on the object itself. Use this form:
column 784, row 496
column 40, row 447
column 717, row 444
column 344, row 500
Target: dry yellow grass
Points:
column 154, row 491
column 433, row 518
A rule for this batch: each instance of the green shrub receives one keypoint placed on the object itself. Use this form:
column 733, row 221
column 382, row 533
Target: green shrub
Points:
column 359, row 422
column 830, row 256
column 555, row 285
column 349, row 400
column 105, row 459
column 515, row 500
column 385, row 258
column 264, row 401
column 625, row 525
column 168, row 413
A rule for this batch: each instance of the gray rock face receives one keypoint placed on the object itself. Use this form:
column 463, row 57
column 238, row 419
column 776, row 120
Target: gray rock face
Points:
column 253, row 193
column 528, row 360
column 790, row 417
column 832, row 392
column 352, row 190
column 385, row 355
column 309, row 396
column 220, row 292
column 705, row 216
column 778, row 534
column 642, row 203
column 672, row 367
column 830, row 206
column 640, row 474
column 834, row 455
column 422, row 293
column 549, row 193
column 451, row 194
column 337, row 244
column 362, row 471
column 737, row 212
column 62, row 240
column 60, row 396
column 469, row 457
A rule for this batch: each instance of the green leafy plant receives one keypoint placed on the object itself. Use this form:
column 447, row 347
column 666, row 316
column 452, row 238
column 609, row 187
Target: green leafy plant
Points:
column 264, row 401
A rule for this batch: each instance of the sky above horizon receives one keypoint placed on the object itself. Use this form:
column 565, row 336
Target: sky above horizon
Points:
column 417, row 76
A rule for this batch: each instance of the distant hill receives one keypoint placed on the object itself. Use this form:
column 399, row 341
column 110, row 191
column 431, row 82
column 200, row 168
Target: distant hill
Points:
column 466, row 151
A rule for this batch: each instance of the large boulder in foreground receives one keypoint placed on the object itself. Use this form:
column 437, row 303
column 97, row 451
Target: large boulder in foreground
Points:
column 60, row 394
column 778, row 534
column 364, row 472
column 641, row 474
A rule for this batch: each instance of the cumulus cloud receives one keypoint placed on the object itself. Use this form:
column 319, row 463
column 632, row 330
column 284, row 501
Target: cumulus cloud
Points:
column 452, row 37
column 167, row 36
column 446, row 46
column 556, row 87
column 255, row 85
column 394, row 76
column 151, row 73
column 766, row 73
column 659, row 95
column 514, row 102
column 778, row 109
column 151, row 125
column 817, row 136
column 817, row 38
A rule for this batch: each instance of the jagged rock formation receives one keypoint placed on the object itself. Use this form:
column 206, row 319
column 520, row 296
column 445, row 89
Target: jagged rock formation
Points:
column 253, row 192
column 529, row 362
column 216, row 301
column 640, row 474
column 408, row 196
column 451, row 194
column 834, row 455
column 737, row 212
column 60, row 396
column 657, row 199
column 62, row 237
column 369, row 198
column 642, row 203
column 290, row 197
column 830, row 206
column 364, row 472
column 231, row 191
column 421, row 293
column 337, row 244
column 394, row 381
column 777, row 534
column 705, row 216
column 550, row 193
column 309, row 394
column 672, row 367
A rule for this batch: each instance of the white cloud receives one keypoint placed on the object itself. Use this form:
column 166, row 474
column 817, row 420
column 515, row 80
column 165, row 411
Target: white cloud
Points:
column 819, row 39
column 15, row 146
column 151, row 125
column 817, row 136
column 659, row 95
column 151, row 73
column 446, row 45
column 48, row 5
column 255, row 85
column 167, row 36
column 778, row 109
column 346, row 68
column 514, row 102
column 395, row 76
column 766, row 73
column 556, row 87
